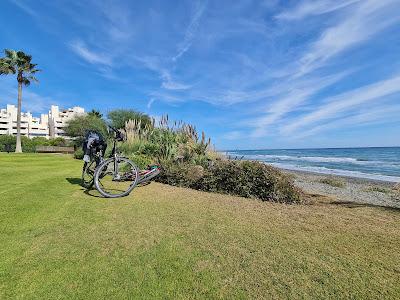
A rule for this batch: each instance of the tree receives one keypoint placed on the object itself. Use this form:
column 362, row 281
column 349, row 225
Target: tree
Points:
column 119, row 117
column 17, row 62
column 79, row 125
column 95, row 113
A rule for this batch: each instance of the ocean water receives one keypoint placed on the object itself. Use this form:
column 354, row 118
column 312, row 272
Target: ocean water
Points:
column 372, row 163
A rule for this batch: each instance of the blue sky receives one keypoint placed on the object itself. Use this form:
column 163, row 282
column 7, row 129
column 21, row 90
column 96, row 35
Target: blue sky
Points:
column 251, row 74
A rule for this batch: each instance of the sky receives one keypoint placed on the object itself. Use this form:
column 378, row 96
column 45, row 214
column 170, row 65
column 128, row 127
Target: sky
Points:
column 251, row 74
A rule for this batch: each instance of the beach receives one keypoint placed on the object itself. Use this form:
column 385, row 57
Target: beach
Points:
column 348, row 189
column 357, row 175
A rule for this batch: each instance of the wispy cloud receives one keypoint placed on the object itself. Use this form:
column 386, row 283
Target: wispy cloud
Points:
column 26, row 8
column 359, row 25
column 298, row 93
column 170, row 84
column 191, row 30
column 31, row 101
column 345, row 102
column 150, row 102
column 376, row 115
column 88, row 55
column 155, row 64
column 117, row 18
column 313, row 8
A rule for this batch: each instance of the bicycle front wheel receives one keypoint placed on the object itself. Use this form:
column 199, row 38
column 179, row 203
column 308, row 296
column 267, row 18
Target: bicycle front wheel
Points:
column 116, row 177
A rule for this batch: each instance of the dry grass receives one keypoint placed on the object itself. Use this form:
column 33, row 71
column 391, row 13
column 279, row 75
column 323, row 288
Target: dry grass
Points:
column 168, row 242
column 379, row 189
column 332, row 181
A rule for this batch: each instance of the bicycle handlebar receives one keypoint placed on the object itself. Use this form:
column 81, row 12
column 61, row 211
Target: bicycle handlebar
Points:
column 118, row 135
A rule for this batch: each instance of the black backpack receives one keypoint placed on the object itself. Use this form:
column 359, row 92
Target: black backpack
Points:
column 94, row 142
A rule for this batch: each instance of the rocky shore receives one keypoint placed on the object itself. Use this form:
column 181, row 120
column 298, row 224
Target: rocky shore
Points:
column 349, row 189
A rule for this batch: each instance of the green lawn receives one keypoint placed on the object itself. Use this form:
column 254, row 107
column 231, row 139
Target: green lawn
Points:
column 164, row 242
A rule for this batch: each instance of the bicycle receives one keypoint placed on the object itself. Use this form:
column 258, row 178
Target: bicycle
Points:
column 116, row 176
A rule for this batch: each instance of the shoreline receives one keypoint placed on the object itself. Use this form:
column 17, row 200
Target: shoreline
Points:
column 336, row 172
column 352, row 189
column 348, row 178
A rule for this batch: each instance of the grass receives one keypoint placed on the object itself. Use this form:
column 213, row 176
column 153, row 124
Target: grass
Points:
column 173, row 243
column 332, row 181
column 379, row 189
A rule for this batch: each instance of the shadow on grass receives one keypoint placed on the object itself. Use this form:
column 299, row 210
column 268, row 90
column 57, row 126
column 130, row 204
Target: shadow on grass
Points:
column 318, row 199
column 350, row 204
column 92, row 193
column 74, row 180
column 78, row 181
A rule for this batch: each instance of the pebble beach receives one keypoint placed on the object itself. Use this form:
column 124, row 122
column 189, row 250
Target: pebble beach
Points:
column 349, row 189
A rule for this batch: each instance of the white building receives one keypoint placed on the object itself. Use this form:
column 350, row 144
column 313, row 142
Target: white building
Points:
column 48, row 125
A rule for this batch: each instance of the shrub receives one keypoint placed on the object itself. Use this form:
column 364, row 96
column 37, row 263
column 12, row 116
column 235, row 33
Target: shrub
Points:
column 78, row 126
column 379, row 189
column 332, row 181
column 29, row 145
column 78, row 154
column 119, row 117
column 58, row 141
column 141, row 161
column 242, row 178
column 396, row 191
column 7, row 140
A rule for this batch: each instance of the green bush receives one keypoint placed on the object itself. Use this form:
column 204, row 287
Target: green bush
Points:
column 78, row 126
column 334, row 182
column 29, row 145
column 141, row 161
column 119, row 117
column 7, row 140
column 242, row 178
column 78, row 154
column 59, row 141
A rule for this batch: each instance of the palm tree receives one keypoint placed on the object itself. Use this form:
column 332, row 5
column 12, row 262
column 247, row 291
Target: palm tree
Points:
column 17, row 62
column 95, row 113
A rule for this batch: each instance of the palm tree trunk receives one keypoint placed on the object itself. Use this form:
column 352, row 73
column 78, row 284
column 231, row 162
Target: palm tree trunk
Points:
column 18, row 148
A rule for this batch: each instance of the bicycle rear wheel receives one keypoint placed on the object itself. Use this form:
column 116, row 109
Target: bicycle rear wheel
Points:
column 116, row 177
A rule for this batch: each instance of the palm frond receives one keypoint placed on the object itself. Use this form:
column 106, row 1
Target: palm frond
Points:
column 18, row 62
column 11, row 54
column 6, row 67
column 26, row 81
column 31, row 78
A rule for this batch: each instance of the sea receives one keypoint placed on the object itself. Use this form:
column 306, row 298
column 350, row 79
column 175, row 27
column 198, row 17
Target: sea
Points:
column 377, row 163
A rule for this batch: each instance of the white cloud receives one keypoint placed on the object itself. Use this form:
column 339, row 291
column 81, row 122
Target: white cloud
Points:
column 360, row 24
column 296, row 95
column 313, row 7
column 31, row 101
column 190, row 31
column 154, row 64
column 90, row 56
column 26, row 8
column 375, row 115
column 345, row 102
column 150, row 102
column 170, row 84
